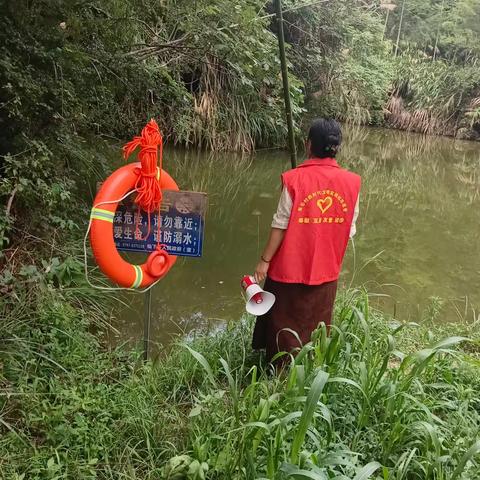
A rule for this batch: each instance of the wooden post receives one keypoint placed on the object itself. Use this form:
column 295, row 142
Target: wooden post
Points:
column 286, row 87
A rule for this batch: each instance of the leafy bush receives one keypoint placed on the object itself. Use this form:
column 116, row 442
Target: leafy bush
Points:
column 70, row 70
column 351, row 406
column 436, row 97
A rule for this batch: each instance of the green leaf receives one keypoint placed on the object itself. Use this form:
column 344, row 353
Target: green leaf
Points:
column 305, row 474
column 470, row 453
column 432, row 433
column 367, row 471
column 203, row 362
column 307, row 415
column 195, row 411
column 347, row 381
column 293, row 471
column 450, row 342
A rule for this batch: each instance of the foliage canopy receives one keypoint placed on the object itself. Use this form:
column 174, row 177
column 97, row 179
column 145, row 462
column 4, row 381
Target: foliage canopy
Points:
column 209, row 72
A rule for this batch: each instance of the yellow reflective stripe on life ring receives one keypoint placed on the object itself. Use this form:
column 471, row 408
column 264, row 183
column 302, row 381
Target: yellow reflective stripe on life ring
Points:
column 138, row 276
column 100, row 214
column 158, row 173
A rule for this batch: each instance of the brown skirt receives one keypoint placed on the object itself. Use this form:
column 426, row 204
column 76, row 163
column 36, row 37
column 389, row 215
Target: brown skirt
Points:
column 299, row 308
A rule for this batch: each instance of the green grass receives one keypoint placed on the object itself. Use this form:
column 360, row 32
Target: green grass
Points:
column 351, row 406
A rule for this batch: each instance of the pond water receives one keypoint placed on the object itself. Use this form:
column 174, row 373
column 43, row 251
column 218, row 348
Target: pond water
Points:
column 417, row 245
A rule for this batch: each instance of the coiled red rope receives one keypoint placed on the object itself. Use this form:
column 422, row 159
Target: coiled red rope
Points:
column 149, row 194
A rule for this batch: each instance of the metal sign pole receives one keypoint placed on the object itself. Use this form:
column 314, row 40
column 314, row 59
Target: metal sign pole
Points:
column 286, row 87
column 182, row 234
column 146, row 323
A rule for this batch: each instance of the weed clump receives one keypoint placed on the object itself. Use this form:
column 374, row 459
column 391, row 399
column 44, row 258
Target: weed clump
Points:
column 351, row 405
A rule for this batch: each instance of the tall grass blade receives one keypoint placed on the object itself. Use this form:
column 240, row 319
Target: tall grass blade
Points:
column 293, row 332
column 231, row 381
column 293, row 471
column 348, row 381
column 432, row 433
column 203, row 362
column 305, row 474
column 367, row 471
column 470, row 453
column 9, row 427
column 403, row 463
column 307, row 415
column 449, row 342
column 300, row 358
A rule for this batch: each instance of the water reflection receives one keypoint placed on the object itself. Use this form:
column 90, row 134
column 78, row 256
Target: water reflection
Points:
column 417, row 233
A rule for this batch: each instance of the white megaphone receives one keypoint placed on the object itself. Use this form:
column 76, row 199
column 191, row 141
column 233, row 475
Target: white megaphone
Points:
column 259, row 302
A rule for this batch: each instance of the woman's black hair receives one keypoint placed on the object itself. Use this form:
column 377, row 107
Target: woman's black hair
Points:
column 325, row 137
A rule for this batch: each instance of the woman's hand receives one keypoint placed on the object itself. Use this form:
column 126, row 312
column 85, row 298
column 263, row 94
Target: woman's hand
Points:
column 273, row 244
column 261, row 271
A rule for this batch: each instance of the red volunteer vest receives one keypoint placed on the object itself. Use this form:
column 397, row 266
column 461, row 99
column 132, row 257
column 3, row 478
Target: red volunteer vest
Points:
column 324, row 197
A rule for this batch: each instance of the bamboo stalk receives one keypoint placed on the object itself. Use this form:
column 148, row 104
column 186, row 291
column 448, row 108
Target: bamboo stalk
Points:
column 286, row 87
column 437, row 36
column 400, row 27
column 386, row 23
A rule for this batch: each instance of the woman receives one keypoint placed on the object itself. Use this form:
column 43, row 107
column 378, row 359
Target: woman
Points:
column 302, row 259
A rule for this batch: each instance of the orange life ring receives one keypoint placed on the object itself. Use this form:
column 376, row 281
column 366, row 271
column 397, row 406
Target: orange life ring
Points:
column 104, row 250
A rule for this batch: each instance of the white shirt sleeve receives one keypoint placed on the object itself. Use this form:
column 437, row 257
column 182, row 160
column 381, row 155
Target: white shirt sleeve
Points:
column 353, row 228
column 284, row 210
